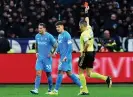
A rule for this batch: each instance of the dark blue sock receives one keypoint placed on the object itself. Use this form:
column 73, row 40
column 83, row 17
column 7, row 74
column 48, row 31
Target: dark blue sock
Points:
column 50, row 83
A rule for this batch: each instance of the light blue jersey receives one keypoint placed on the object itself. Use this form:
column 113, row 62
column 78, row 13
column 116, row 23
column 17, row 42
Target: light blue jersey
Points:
column 65, row 50
column 45, row 43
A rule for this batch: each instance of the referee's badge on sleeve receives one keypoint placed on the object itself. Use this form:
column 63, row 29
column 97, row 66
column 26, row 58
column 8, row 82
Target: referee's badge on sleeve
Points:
column 85, row 38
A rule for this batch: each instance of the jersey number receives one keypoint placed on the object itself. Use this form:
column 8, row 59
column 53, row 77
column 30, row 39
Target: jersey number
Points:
column 48, row 66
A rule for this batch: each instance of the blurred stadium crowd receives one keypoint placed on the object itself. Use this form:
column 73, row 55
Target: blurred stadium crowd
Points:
column 111, row 20
column 19, row 18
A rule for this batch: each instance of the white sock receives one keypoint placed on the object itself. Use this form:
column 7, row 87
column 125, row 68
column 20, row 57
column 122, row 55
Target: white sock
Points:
column 55, row 90
column 36, row 89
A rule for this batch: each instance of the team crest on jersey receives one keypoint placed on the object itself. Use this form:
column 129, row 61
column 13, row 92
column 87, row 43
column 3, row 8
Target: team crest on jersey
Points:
column 42, row 43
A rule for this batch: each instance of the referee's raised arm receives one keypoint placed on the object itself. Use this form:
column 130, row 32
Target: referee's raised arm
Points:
column 87, row 8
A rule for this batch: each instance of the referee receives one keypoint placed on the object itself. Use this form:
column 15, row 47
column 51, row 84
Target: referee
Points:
column 87, row 57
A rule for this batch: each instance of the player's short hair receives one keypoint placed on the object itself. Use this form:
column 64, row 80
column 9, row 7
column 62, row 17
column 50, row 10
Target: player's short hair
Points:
column 59, row 23
column 83, row 22
column 42, row 24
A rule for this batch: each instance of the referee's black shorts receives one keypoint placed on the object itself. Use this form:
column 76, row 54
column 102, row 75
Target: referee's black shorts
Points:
column 87, row 61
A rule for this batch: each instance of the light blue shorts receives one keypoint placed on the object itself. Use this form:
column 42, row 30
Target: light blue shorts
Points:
column 65, row 66
column 44, row 64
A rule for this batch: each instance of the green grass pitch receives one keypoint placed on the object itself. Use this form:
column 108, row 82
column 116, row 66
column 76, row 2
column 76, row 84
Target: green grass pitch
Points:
column 98, row 90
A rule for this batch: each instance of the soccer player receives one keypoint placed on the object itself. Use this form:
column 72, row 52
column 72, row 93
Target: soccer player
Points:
column 87, row 56
column 65, row 50
column 45, row 48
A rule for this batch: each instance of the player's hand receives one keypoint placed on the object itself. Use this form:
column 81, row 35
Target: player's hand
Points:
column 64, row 59
column 87, row 9
column 36, row 54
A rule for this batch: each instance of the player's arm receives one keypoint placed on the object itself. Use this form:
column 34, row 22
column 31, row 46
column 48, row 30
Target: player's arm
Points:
column 57, row 49
column 87, row 20
column 87, row 15
column 86, row 46
column 69, row 43
column 54, row 44
column 85, row 38
column 36, row 46
column 54, row 48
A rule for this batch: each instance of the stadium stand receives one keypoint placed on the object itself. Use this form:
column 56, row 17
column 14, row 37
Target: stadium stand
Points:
column 19, row 18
